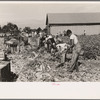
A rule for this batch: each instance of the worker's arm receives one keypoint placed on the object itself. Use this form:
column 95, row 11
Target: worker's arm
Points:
column 70, row 46
column 71, row 43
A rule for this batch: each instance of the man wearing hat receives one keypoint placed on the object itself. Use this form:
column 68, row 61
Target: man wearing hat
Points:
column 76, row 49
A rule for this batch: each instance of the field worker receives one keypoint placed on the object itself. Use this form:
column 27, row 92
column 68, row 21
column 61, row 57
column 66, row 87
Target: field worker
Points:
column 58, row 40
column 76, row 49
column 62, row 49
column 37, row 39
column 50, row 43
column 35, row 33
column 42, row 42
column 39, row 36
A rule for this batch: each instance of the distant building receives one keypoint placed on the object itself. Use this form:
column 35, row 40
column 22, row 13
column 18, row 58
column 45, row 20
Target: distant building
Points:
column 77, row 22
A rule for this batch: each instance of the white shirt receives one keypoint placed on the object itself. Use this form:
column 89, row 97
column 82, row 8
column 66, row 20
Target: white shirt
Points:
column 48, row 37
column 40, row 34
column 61, row 47
column 35, row 33
column 74, row 37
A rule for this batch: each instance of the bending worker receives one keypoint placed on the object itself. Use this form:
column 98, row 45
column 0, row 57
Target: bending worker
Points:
column 76, row 49
column 50, row 43
column 62, row 49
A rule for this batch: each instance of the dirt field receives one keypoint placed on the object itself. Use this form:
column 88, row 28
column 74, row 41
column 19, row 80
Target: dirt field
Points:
column 31, row 65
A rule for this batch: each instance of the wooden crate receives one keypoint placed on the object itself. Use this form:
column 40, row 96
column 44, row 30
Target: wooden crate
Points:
column 5, row 70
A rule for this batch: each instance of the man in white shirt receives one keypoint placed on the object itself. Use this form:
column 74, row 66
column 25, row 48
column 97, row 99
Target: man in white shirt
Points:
column 35, row 33
column 41, row 34
column 75, row 46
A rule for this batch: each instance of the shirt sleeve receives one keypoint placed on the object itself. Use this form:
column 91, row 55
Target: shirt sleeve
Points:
column 71, row 37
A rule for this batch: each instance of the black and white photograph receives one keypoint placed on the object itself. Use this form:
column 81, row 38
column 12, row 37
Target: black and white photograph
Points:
column 49, row 42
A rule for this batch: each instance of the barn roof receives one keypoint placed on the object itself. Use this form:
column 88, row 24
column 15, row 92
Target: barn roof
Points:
column 72, row 18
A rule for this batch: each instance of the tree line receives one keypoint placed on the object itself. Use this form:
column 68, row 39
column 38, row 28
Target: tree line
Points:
column 13, row 29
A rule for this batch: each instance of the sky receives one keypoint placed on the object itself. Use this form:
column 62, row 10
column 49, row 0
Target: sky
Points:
column 33, row 14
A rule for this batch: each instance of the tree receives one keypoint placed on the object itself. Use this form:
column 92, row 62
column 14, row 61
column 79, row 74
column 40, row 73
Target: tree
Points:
column 20, row 29
column 27, row 30
column 5, row 29
column 38, row 30
column 45, row 29
column 11, row 28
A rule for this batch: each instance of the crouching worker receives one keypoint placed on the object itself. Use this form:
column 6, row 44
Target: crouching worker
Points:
column 51, row 44
column 62, row 49
column 76, row 49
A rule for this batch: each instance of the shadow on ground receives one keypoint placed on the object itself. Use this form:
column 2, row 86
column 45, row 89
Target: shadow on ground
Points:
column 12, row 77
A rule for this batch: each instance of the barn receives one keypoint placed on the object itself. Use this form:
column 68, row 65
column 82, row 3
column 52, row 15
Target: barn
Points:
column 79, row 23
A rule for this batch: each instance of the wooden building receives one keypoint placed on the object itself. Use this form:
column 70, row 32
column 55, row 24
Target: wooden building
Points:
column 77, row 22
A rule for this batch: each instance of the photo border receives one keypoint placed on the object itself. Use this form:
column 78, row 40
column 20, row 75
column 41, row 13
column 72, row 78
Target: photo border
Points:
column 93, row 87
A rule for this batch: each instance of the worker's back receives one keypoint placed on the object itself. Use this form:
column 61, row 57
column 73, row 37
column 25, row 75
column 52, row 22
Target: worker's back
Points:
column 62, row 46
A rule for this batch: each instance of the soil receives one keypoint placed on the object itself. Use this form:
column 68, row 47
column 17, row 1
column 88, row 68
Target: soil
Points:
column 32, row 65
